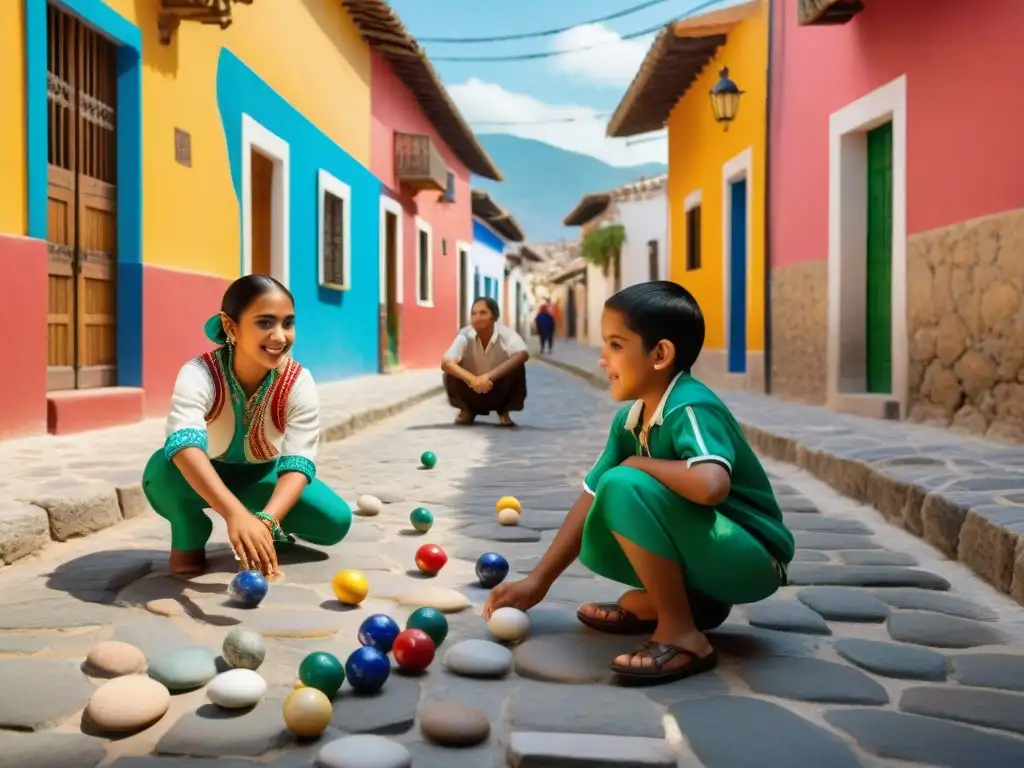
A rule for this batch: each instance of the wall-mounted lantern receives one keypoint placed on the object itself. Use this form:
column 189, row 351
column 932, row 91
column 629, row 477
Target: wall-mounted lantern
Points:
column 725, row 99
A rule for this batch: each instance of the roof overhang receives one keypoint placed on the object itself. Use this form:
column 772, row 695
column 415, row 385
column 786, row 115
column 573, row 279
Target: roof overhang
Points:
column 589, row 207
column 496, row 217
column 827, row 12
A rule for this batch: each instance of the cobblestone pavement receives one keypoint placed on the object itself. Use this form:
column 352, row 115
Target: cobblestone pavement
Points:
column 880, row 652
column 962, row 494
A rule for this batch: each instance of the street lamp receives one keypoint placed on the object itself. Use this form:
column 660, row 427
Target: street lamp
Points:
column 725, row 99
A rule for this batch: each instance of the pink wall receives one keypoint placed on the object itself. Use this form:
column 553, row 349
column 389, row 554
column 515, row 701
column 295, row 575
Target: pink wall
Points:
column 426, row 332
column 965, row 157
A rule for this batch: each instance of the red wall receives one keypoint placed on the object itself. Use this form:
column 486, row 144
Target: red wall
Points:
column 23, row 275
column 426, row 332
column 965, row 157
column 172, row 329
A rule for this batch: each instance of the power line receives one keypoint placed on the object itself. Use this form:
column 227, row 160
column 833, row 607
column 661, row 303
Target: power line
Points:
column 544, row 32
column 550, row 54
column 549, row 121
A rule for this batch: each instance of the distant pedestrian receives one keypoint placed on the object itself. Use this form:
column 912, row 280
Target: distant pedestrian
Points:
column 545, row 325
column 242, row 439
column 484, row 369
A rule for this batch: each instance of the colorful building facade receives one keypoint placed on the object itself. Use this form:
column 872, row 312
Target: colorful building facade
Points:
column 897, row 210
column 716, row 178
column 152, row 161
column 423, row 152
column 494, row 229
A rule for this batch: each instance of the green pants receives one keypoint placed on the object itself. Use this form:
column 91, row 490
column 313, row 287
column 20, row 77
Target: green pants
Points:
column 320, row 516
column 720, row 559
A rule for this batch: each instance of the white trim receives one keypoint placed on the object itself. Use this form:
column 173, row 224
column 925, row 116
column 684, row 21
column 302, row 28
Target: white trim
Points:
column 461, row 246
column 423, row 226
column 255, row 136
column 739, row 168
column 847, row 241
column 327, row 182
column 692, row 200
column 392, row 206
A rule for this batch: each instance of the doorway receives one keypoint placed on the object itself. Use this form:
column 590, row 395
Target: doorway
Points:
column 261, row 169
column 464, row 298
column 81, row 206
column 519, row 309
column 878, row 291
column 737, row 276
column 391, row 326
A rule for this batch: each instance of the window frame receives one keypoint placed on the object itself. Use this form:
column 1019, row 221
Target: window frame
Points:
column 327, row 183
column 424, row 228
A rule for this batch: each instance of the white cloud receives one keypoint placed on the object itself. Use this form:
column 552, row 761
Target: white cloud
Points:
column 485, row 105
column 607, row 58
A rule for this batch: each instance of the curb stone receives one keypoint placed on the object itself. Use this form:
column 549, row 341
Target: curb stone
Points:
column 986, row 537
column 68, row 508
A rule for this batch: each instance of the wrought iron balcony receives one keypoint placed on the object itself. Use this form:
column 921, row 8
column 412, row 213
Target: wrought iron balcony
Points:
column 173, row 12
column 418, row 163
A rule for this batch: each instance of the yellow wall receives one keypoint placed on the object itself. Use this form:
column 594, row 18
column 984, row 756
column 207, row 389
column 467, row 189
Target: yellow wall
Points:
column 698, row 148
column 309, row 51
column 13, row 207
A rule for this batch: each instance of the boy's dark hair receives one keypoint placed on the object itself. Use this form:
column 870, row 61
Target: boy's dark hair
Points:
column 492, row 305
column 661, row 309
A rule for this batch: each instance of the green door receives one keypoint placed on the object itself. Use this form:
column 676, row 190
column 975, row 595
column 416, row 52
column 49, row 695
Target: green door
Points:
column 879, row 261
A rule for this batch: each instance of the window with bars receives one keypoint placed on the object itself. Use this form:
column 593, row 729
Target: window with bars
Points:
column 693, row 238
column 335, row 233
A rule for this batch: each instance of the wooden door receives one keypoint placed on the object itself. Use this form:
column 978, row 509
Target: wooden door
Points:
column 391, row 286
column 737, row 351
column 82, row 206
column 878, row 312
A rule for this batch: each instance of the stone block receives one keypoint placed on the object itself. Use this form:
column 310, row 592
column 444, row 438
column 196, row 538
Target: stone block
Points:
column 24, row 528
column 78, row 507
column 527, row 749
column 987, row 546
column 941, row 520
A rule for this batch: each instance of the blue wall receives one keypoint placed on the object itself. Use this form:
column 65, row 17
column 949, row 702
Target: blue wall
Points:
column 337, row 331
column 482, row 234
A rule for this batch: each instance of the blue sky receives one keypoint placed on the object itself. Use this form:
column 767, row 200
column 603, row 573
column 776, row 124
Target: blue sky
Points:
column 539, row 95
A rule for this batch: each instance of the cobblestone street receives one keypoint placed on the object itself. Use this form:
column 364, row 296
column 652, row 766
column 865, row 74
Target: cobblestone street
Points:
column 881, row 651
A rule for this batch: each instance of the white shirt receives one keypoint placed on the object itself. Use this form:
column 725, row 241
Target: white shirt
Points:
column 469, row 352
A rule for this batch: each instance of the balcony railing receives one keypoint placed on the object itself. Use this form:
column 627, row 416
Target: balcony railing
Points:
column 173, row 12
column 418, row 164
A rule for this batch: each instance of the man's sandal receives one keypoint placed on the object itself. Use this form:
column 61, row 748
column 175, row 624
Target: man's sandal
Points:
column 618, row 622
column 661, row 654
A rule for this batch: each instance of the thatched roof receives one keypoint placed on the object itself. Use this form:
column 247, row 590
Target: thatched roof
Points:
column 385, row 33
column 496, row 217
column 822, row 12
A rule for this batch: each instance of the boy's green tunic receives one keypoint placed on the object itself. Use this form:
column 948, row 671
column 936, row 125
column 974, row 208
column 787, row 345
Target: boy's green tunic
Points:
column 736, row 552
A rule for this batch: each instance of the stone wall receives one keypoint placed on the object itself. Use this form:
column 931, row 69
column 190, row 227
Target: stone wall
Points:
column 799, row 332
column 965, row 318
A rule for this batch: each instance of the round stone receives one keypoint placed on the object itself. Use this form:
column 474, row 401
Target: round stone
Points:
column 428, row 459
column 508, row 517
column 431, row 621
column 307, row 712
column 248, row 588
column 442, row 598
column 237, row 688
column 369, row 505
column 508, row 502
column 478, row 658
column 364, row 750
column 421, row 519
column 114, row 658
column 453, row 725
column 350, row 587
column 323, row 671
column 509, row 624
column 127, row 703
column 184, row 668
column 244, row 649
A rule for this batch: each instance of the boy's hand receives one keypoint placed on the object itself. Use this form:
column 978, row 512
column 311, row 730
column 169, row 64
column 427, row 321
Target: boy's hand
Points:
column 523, row 594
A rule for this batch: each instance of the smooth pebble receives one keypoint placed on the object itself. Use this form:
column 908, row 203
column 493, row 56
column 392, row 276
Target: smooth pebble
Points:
column 451, row 724
column 363, row 751
column 443, row 599
column 127, row 703
column 184, row 668
column 244, row 649
column 369, row 505
column 509, row 624
column 508, row 517
column 478, row 658
column 237, row 688
column 114, row 658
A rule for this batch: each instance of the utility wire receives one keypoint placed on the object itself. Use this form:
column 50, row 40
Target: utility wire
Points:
column 544, row 32
column 550, row 54
column 549, row 121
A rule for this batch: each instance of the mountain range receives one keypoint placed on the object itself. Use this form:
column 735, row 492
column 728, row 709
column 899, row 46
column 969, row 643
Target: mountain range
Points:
column 543, row 183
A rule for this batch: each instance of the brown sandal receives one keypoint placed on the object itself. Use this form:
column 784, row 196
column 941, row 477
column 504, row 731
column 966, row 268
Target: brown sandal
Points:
column 621, row 622
column 661, row 654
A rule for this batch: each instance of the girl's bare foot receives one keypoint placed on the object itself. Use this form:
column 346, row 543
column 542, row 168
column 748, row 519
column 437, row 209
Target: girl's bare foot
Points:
column 188, row 562
column 505, row 420
column 464, row 417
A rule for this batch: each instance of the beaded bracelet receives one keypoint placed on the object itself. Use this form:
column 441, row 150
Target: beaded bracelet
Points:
column 275, row 527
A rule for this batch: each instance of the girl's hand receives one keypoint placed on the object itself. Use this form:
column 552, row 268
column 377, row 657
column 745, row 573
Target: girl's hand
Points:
column 523, row 594
column 252, row 542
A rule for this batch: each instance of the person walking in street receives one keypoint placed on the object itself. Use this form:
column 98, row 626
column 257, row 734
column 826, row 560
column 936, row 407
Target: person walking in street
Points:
column 677, row 506
column 485, row 367
column 545, row 325
column 242, row 438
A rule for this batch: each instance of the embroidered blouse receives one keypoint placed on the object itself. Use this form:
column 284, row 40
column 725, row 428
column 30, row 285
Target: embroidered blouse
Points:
column 281, row 422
